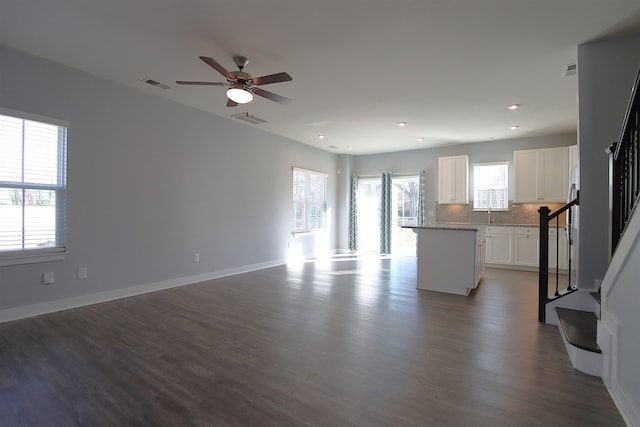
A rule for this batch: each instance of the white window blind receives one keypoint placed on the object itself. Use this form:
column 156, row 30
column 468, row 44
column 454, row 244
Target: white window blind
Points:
column 33, row 181
column 491, row 186
column 309, row 200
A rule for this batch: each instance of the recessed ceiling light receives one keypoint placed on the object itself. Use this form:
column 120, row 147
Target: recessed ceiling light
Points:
column 513, row 127
column 402, row 124
column 349, row 148
column 513, row 106
column 421, row 139
column 320, row 136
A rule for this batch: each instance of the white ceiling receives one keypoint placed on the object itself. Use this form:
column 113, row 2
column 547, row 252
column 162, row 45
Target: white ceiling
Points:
column 449, row 68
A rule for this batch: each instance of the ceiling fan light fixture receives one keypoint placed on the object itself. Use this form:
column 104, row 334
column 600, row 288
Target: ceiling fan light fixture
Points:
column 239, row 95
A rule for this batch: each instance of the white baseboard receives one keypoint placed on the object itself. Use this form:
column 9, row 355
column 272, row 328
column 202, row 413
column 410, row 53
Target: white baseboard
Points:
column 628, row 409
column 341, row 251
column 31, row 310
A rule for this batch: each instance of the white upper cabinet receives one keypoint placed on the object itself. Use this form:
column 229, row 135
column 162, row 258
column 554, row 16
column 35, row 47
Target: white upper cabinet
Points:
column 541, row 175
column 453, row 180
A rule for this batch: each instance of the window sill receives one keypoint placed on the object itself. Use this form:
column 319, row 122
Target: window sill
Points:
column 314, row 232
column 31, row 257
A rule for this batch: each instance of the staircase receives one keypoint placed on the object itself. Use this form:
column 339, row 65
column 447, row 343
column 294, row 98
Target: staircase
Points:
column 579, row 334
column 600, row 330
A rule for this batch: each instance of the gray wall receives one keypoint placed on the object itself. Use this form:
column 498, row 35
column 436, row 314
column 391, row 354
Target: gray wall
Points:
column 345, row 165
column 150, row 182
column 606, row 72
column 427, row 159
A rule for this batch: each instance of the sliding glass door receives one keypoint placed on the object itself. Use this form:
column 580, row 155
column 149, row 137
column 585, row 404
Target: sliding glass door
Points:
column 405, row 211
column 368, row 202
column 405, row 199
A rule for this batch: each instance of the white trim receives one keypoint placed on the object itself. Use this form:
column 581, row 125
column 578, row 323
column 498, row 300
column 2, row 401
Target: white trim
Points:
column 22, row 312
column 295, row 168
column 34, row 117
column 405, row 174
column 32, row 256
column 500, row 162
column 622, row 258
column 341, row 251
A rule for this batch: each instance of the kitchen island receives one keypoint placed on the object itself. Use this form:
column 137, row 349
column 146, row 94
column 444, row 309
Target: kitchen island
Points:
column 450, row 257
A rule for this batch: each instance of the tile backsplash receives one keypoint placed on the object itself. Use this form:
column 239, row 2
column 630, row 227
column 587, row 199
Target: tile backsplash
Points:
column 518, row 213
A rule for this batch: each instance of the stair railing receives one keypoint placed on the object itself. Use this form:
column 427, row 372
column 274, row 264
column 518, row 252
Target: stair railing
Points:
column 624, row 170
column 543, row 270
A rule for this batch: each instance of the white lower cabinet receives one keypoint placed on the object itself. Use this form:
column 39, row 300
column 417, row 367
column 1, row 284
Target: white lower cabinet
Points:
column 499, row 244
column 526, row 246
column 558, row 248
column 518, row 246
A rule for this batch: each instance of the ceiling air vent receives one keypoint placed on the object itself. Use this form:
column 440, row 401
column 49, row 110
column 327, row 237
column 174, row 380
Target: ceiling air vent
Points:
column 249, row 118
column 155, row 83
column 569, row 70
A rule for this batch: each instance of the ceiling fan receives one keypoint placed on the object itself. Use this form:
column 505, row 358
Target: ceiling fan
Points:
column 242, row 85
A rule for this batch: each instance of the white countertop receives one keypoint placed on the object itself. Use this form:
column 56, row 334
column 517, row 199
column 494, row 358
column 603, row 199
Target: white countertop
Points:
column 469, row 226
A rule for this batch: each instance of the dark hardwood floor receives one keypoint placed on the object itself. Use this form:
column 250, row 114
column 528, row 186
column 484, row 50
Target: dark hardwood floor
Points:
column 349, row 341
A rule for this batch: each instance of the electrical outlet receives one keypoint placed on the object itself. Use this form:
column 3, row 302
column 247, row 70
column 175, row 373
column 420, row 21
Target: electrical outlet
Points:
column 48, row 278
column 196, row 257
column 82, row 273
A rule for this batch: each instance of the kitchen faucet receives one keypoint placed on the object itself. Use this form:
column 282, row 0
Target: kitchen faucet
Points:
column 489, row 213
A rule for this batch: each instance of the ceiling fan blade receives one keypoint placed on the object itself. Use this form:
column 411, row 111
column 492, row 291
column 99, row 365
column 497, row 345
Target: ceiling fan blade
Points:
column 219, row 68
column 272, row 78
column 231, row 103
column 182, row 82
column 271, row 96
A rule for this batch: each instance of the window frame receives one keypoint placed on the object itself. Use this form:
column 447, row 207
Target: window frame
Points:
column 505, row 189
column 57, row 252
column 308, row 203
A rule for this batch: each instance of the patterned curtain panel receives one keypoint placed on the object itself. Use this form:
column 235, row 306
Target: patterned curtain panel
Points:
column 385, row 214
column 353, row 215
column 421, row 202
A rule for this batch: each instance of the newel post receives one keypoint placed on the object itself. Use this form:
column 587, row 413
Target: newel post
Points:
column 543, row 270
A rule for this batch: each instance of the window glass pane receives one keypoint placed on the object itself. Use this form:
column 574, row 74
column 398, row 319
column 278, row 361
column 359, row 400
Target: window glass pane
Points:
column 40, row 153
column 406, row 192
column 491, row 188
column 316, row 188
column 10, row 149
column 39, row 219
column 32, row 184
column 309, row 200
column 299, row 185
column 298, row 216
column 317, row 215
column 11, row 214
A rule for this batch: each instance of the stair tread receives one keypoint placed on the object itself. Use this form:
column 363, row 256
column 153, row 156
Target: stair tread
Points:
column 580, row 328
